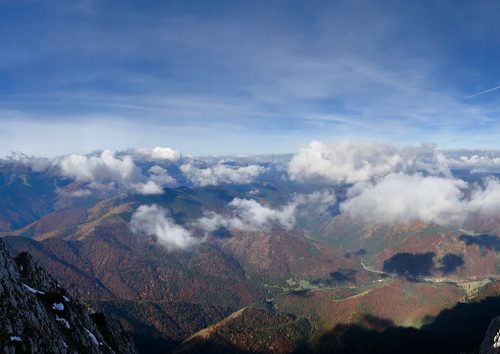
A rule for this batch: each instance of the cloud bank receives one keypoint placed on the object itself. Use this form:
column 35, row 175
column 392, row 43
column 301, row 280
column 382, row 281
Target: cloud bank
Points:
column 400, row 198
column 475, row 161
column 395, row 185
column 153, row 220
column 103, row 168
column 107, row 170
column 159, row 154
column 387, row 183
column 127, row 170
column 221, row 174
column 349, row 161
column 36, row 163
column 250, row 215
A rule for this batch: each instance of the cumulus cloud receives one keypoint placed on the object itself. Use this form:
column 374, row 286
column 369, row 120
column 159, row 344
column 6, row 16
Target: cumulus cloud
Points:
column 103, row 168
column 80, row 193
column 485, row 202
column 354, row 161
column 147, row 188
column 107, row 170
column 400, row 198
column 153, row 220
column 159, row 153
column 221, row 174
column 160, row 176
column 36, row 163
column 316, row 203
column 250, row 215
column 475, row 161
column 401, row 185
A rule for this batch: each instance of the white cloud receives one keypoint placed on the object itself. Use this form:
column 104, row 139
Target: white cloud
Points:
column 103, row 168
column 159, row 153
column 220, row 174
column 400, row 198
column 475, row 161
column 316, row 203
column 485, row 202
column 80, row 193
column 155, row 221
column 147, row 188
column 353, row 161
column 401, row 185
column 160, row 176
column 250, row 215
column 36, row 163
column 106, row 171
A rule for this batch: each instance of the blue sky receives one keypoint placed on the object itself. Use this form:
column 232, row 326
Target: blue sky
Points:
column 224, row 77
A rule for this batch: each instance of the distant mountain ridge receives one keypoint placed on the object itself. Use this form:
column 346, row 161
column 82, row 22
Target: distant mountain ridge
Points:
column 322, row 273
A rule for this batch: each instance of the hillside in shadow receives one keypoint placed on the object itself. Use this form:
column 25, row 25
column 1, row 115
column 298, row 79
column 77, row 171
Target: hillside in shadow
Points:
column 410, row 265
column 457, row 330
column 413, row 266
column 490, row 242
column 460, row 329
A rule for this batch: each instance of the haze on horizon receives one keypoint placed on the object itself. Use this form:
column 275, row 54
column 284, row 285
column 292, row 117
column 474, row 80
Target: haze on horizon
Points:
column 234, row 77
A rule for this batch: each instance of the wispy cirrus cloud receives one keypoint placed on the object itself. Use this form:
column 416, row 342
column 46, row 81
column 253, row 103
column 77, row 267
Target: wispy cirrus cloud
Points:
column 483, row 92
column 343, row 69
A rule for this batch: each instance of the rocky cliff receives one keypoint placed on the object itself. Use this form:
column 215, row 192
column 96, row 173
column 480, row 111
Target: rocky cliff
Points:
column 491, row 341
column 38, row 316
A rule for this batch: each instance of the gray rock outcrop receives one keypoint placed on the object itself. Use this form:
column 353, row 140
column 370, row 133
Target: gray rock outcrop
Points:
column 491, row 341
column 38, row 316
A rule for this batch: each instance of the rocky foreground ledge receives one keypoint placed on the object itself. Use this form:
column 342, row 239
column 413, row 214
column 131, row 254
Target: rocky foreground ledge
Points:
column 38, row 316
column 491, row 341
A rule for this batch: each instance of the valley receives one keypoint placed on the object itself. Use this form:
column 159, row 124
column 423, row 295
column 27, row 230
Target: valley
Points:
column 249, row 177
column 327, row 272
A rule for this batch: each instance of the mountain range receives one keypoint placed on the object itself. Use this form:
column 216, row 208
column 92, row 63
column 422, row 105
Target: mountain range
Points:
column 237, row 256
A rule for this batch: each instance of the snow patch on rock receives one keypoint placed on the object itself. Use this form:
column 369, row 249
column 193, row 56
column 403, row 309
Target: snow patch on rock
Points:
column 58, row 307
column 496, row 340
column 63, row 320
column 94, row 339
column 32, row 290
